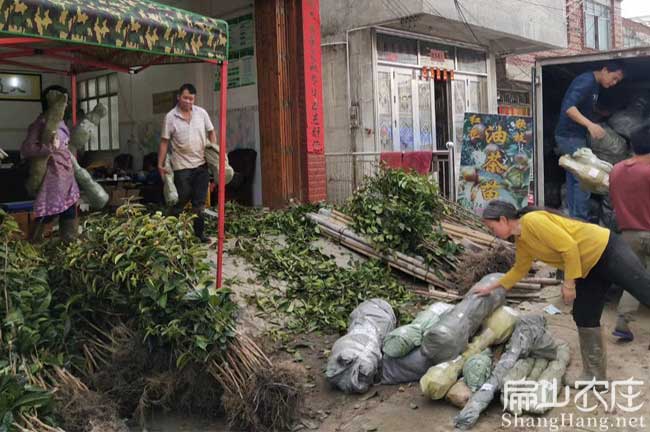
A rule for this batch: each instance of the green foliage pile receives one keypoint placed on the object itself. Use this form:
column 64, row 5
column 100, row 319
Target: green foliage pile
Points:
column 402, row 211
column 319, row 295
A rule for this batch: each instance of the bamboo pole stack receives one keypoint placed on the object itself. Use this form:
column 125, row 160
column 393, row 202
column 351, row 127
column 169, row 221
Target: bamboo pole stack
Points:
column 336, row 225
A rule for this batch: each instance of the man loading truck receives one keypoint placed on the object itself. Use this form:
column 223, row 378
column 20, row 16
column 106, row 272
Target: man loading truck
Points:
column 575, row 121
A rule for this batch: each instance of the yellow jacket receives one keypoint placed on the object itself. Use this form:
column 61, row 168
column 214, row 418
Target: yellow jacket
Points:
column 566, row 244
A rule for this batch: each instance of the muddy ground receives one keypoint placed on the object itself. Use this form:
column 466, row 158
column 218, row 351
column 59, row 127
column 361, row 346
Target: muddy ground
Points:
column 403, row 408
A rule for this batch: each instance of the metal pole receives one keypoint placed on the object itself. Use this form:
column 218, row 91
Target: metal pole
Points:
column 222, row 169
column 73, row 92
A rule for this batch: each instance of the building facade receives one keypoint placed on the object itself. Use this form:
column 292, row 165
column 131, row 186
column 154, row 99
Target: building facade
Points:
column 591, row 26
column 399, row 75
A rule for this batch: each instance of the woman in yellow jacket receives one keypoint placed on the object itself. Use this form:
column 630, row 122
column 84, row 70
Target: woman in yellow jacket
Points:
column 592, row 259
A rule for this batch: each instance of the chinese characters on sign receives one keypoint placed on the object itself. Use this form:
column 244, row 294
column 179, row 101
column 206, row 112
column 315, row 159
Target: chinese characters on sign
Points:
column 496, row 160
column 313, row 76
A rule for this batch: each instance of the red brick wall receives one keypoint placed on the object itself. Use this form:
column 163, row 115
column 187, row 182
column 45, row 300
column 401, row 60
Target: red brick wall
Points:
column 575, row 35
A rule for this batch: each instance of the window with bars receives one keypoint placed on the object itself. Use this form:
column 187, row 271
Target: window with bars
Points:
column 597, row 26
column 101, row 89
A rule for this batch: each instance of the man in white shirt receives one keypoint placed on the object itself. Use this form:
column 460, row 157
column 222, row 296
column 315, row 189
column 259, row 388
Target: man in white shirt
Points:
column 188, row 128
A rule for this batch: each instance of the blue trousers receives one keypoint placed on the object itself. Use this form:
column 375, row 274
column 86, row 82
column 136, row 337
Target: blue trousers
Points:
column 577, row 199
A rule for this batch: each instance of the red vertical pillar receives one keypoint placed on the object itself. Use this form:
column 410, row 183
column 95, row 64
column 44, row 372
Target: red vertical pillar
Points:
column 314, row 169
column 223, row 110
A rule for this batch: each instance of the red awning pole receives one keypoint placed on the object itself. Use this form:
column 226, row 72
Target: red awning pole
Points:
column 222, row 169
column 73, row 92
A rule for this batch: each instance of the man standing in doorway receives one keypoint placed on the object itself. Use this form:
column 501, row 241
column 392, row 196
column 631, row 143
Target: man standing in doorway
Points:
column 575, row 121
column 189, row 129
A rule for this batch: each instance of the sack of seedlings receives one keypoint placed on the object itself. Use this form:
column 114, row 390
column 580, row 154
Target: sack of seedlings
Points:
column 450, row 336
column 409, row 368
column 354, row 363
column 611, row 148
column 591, row 172
column 94, row 193
column 477, row 369
column 169, row 188
column 406, row 338
column 631, row 119
column 212, row 158
column 440, row 378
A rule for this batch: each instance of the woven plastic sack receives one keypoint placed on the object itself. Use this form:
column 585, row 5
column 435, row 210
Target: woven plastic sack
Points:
column 440, row 378
column 93, row 192
column 593, row 179
column 169, row 188
column 212, row 158
column 354, row 363
column 612, row 148
column 56, row 103
column 538, row 367
column 405, row 339
column 550, row 381
column 37, row 170
column 82, row 133
column 530, row 338
column 409, row 368
column 458, row 394
column 632, row 118
column 477, row 369
column 450, row 336
column 520, row 371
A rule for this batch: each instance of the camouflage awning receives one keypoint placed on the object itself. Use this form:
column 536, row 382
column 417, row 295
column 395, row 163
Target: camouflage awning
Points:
column 135, row 25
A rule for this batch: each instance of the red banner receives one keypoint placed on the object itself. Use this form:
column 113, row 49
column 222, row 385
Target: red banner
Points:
column 313, row 76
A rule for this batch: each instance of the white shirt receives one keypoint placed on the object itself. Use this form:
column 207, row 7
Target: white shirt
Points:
column 188, row 138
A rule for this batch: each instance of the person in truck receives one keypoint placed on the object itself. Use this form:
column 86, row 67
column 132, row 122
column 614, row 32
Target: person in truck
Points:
column 576, row 114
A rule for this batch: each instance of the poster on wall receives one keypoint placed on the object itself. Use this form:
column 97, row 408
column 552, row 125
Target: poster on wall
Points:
column 496, row 160
column 20, row 86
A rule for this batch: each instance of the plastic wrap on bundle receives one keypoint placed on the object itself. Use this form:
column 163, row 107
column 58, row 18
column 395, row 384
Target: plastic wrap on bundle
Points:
column 212, row 158
column 409, row 368
column 406, row 338
column 530, row 337
column 612, row 148
column 631, row 119
column 169, row 188
column 354, row 363
column 93, row 191
column 550, row 381
column 591, row 172
column 477, row 369
column 440, row 378
column 450, row 336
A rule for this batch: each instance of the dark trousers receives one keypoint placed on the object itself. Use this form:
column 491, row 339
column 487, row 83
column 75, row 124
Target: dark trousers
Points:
column 618, row 265
column 192, row 185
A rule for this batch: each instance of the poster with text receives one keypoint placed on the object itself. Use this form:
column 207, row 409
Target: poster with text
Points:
column 496, row 160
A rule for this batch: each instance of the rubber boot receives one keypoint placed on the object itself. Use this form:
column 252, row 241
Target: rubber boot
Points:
column 594, row 357
column 199, row 228
column 68, row 229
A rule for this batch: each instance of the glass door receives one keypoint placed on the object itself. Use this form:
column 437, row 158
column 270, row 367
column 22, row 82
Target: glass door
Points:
column 405, row 110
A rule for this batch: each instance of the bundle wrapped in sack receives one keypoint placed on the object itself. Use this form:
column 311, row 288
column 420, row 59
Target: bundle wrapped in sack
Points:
column 591, row 172
column 449, row 337
column 477, row 369
column 612, row 148
column 530, row 337
column 539, row 366
column 83, row 132
column 56, row 102
column 93, row 192
column 406, row 338
column 169, row 188
column 354, row 363
column 440, row 378
column 520, row 371
column 631, row 119
column 212, row 158
column 496, row 330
